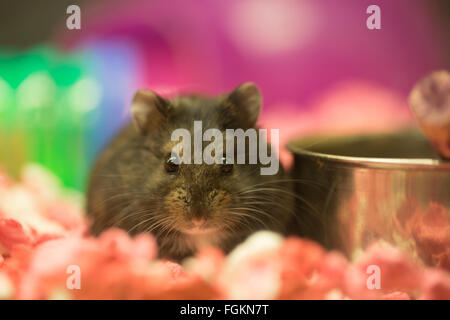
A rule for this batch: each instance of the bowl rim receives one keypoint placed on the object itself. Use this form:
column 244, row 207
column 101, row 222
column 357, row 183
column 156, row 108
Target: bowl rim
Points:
column 364, row 162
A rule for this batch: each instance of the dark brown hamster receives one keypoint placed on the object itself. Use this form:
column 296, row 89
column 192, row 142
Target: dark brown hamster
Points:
column 135, row 184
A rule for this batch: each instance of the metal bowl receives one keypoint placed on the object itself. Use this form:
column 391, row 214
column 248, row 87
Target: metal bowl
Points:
column 369, row 187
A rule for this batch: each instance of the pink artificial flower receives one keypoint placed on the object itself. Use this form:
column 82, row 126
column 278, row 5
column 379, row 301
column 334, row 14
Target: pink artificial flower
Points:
column 396, row 295
column 253, row 269
column 430, row 230
column 300, row 260
column 46, row 254
column 12, row 233
column 396, row 271
column 113, row 266
column 436, row 285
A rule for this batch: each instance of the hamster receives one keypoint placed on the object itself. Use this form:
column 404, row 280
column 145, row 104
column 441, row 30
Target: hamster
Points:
column 137, row 186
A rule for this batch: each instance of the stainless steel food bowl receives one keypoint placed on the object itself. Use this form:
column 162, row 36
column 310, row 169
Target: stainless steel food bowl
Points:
column 367, row 187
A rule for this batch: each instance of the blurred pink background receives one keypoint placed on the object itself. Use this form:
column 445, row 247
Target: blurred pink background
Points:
column 305, row 55
column 293, row 49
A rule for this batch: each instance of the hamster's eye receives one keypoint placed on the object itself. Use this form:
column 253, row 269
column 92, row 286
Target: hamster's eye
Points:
column 226, row 167
column 171, row 164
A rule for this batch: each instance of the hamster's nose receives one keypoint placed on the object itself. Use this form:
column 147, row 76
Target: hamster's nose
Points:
column 198, row 222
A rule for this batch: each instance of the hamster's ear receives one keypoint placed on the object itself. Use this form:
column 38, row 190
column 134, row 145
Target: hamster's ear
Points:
column 148, row 110
column 244, row 105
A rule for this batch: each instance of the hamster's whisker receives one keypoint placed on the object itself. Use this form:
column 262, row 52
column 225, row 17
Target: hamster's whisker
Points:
column 304, row 181
column 158, row 223
column 116, row 186
column 123, row 211
column 297, row 207
column 115, row 197
column 230, row 222
column 116, row 175
column 141, row 214
column 240, row 225
column 262, row 212
column 140, row 223
column 262, row 202
column 273, row 191
column 134, row 214
column 256, row 210
column 124, row 215
column 167, row 228
column 243, row 214
column 272, row 199
column 266, row 199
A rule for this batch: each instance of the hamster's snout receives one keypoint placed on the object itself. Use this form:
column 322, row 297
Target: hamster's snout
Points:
column 197, row 226
column 198, row 223
column 199, row 211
